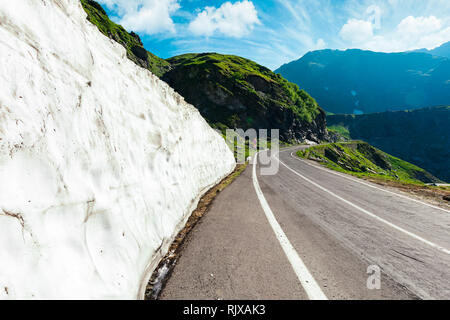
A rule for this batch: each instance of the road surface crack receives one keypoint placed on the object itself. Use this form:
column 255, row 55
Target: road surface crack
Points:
column 405, row 255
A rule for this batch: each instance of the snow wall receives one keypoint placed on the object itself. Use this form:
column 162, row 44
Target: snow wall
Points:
column 101, row 163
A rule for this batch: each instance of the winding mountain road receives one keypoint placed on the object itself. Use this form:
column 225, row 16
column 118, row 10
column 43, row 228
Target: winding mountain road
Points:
column 307, row 232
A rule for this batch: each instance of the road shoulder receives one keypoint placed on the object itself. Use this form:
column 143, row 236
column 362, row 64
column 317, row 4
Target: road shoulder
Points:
column 233, row 253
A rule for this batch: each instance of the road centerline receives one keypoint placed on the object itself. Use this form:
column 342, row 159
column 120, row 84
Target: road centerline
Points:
column 371, row 186
column 374, row 216
column 306, row 279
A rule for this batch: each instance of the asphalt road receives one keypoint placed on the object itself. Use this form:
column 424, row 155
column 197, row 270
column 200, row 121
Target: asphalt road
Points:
column 309, row 233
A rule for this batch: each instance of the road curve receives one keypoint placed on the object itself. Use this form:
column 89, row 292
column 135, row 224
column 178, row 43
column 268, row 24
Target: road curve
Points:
column 333, row 227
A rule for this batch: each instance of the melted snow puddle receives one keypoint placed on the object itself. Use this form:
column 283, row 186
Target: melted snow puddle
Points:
column 160, row 276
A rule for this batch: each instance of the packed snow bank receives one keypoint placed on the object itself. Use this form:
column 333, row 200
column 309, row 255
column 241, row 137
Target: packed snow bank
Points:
column 100, row 162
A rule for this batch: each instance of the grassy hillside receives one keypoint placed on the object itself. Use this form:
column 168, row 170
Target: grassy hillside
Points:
column 233, row 92
column 130, row 41
column 253, row 77
column 340, row 130
column 229, row 91
column 361, row 159
column 420, row 136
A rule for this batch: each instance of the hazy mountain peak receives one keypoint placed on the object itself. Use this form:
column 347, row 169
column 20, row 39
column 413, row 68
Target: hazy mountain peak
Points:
column 382, row 81
column 442, row 51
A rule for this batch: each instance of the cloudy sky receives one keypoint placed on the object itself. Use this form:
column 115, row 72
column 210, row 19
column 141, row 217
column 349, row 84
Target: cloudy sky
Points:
column 273, row 32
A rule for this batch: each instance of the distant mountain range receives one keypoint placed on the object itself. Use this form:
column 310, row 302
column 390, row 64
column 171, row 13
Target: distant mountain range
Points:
column 442, row 51
column 357, row 81
column 421, row 137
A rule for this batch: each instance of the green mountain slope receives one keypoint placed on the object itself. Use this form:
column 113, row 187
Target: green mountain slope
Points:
column 130, row 41
column 363, row 160
column 234, row 92
column 420, row 136
column 229, row 91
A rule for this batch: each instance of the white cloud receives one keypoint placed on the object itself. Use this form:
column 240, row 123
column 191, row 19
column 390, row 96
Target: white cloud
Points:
column 297, row 10
column 146, row 16
column 411, row 33
column 357, row 31
column 234, row 20
column 423, row 32
column 320, row 44
column 419, row 26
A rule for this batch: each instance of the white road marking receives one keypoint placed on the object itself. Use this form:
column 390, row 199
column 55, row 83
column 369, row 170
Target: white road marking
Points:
column 369, row 185
column 368, row 212
column 308, row 282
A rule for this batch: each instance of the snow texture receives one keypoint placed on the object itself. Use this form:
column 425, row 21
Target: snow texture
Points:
column 101, row 163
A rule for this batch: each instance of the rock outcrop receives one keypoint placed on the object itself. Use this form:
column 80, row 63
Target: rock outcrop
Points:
column 234, row 92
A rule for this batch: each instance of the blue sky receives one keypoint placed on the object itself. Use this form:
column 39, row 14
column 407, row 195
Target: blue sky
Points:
column 273, row 32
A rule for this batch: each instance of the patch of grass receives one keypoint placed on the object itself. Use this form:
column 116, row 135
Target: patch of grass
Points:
column 235, row 66
column 420, row 136
column 341, row 130
column 362, row 160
